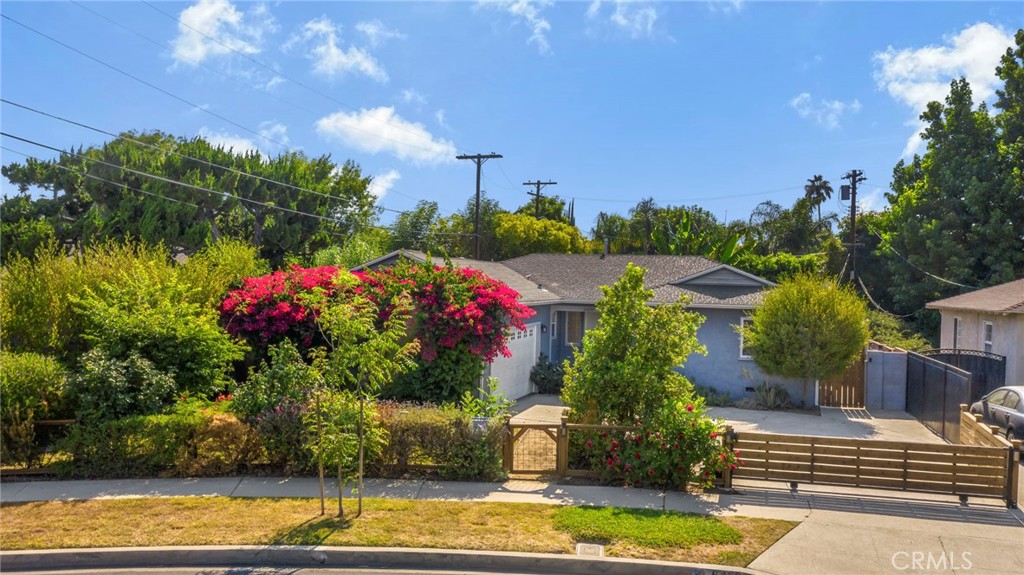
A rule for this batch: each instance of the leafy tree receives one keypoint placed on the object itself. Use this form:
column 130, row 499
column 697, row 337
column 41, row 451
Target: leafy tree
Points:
column 808, row 328
column 412, row 229
column 891, row 331
column 548, row 208
column 517, row 235
column 615, row 229
column 24, row 226
column 626, row 369
column 949, row 212
column 817, row 191
column 93, row 195
column 683, row 238
column 643, row 218
column 357, row 249
column 362, row 355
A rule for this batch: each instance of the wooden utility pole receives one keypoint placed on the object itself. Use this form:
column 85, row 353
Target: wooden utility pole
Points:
column 855, row 177
column 536, row 194
column 479, row 160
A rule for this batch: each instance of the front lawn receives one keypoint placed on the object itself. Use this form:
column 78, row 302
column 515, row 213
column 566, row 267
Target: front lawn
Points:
column 387, row 523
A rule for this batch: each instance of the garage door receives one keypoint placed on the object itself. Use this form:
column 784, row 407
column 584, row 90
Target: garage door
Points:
column 513, row 373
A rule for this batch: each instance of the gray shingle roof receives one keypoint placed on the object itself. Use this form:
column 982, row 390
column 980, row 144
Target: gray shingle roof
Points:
column 1003, row 298
column 529, row 292
column 578, row 277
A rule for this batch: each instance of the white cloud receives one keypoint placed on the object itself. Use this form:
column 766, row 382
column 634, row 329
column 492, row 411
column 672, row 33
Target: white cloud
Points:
column 377, row 34
column 441, row 118
column 329, row 59
column 918, row 76
column 234, row 142
column 212, row 28
column 827, row 113
column 376, row 130
column 411, row 96
column 726, row 6
column 274, row 134
column 273, row 83
column 633, row 18
column 275, row 131
column 380, row 185
column 530, row 13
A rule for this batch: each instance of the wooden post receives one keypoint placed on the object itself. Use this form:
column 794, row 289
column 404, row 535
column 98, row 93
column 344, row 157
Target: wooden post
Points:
column 562, row 453
column 1013, row 473
column 507, row 446
column 728, row 440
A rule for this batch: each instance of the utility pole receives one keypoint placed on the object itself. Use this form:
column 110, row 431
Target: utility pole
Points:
column 850, row 192
column 479, row 160
column 538, row 184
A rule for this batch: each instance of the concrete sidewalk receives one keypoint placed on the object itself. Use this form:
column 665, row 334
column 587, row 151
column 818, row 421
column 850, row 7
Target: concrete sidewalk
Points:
column 842, row 531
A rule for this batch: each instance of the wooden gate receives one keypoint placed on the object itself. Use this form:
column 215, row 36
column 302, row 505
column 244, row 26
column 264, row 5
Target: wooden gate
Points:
column 964, row 470
column 531, row 448
column 846, row 390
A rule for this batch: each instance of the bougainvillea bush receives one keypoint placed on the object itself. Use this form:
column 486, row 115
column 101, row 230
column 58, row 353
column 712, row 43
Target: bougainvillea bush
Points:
column 460, row 318
column 677, row 447
column 267, row 310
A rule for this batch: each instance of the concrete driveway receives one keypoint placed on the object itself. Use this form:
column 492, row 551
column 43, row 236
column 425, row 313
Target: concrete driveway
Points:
column 833, row 422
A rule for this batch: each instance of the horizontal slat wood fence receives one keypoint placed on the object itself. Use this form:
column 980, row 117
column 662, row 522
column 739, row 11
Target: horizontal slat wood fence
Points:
column 963, row 470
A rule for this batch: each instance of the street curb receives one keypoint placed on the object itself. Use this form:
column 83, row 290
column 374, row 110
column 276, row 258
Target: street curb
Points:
column 347, row 557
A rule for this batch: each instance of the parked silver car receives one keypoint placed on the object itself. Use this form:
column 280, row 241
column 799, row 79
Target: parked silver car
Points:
column 1004, row 408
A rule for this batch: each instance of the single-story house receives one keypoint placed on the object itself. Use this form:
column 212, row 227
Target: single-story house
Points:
column 564, row 288
column 989, row 320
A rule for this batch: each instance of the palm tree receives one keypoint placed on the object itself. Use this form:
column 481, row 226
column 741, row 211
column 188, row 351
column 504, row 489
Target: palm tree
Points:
column 817, row 191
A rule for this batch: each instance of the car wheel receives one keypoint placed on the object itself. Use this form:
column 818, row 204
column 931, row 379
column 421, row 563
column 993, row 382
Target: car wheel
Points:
column 1010, row 435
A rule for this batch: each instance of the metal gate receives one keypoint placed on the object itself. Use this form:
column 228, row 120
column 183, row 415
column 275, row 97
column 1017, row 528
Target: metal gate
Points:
column 846, row 390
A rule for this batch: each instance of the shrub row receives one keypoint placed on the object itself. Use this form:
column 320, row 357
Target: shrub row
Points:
column 194, row 440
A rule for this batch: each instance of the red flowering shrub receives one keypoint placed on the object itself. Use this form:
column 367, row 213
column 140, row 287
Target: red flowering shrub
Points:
column 454, row 306
column 266, row 309
column 680, row 446
column 460, row 317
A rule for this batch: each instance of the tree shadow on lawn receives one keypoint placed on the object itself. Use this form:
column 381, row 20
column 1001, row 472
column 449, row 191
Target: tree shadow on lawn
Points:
column 313, row 531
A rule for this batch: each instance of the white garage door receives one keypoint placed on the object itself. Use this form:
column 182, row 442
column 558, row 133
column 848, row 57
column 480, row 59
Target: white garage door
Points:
column 513, row 373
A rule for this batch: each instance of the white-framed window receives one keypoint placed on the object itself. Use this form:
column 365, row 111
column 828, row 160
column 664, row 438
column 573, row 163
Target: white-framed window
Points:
column 956, row 333
column 744, row 351
column 986, row 336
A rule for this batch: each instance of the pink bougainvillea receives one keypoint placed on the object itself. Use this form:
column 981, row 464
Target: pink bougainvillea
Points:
column 453, row 306
column 267, row 309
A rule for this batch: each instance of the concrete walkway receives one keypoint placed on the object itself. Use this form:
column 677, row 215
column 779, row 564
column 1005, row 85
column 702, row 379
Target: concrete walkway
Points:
column 842, row 531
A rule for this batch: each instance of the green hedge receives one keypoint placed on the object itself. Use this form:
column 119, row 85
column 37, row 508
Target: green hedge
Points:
column 31, row 389
column 442, row 437
column 188, row 442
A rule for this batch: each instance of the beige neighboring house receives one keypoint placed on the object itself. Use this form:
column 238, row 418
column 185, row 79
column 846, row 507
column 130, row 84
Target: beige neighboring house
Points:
column 990, row 320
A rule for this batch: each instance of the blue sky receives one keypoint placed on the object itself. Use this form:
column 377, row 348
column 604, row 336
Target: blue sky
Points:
column 722, row 104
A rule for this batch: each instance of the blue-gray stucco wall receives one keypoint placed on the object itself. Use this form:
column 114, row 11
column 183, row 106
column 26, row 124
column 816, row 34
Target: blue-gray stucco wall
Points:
column 722, row 368
column 543, row 318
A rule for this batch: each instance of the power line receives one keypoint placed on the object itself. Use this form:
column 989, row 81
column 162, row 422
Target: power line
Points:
column 864, row 288
column 179, row 183
column 290, row 79
column 90, row 176
column 169, row 180
column 916, row 267
column 176, row 153
column 144, row 82
column 537, row 195
column 725, row 197
column 479, row 160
